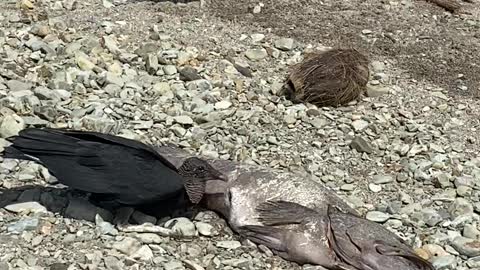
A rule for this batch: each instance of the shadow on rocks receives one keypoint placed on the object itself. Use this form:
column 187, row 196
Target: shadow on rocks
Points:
column 78, row 205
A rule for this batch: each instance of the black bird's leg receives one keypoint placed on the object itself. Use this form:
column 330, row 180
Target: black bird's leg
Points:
column 122, row 215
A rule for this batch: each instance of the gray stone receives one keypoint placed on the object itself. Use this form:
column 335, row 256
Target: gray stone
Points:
column 377, row 216
column 466, row 246
column 183, row 119
column 188, row 74
column 152, row 63
column 229, row 244
column 143, row 254
column 382, row 179
column 112, row 263
column 182, row 226
column 26, row 207
column 444, row 262
column 204, row 229
column 256, row 54
column 284, row 44
column 361, row 145
column 359, row 125
column 170, row 69
column 82, row 209
column 15, row 85
column 11, row 125
column 173, row 265
column 460, row 207
column 377, row 90
column 25, row 224
column 127, row 246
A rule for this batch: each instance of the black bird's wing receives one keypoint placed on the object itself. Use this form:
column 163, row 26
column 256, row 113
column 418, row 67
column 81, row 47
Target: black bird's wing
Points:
column 99, row 163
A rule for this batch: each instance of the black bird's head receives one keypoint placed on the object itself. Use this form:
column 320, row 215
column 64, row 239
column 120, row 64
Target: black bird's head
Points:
column 197, row 172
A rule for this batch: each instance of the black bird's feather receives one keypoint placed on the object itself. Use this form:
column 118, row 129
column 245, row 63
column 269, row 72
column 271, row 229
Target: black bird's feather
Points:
column 129, row 171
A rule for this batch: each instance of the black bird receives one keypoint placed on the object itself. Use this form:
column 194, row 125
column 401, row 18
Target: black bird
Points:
column 113, row 168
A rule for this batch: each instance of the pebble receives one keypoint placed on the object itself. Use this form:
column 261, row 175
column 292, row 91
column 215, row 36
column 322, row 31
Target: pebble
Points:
column 382, row 179
column 222, row 105
column 127, row 246
column 359, row 125
column 182, row 226
column 444, row 262
column 204, row 229
column 284, row 44
column 28, row 207
column 466, row 246
column 183, row 119
column 377, row 216
column 361, row 145
column 229, row 244
column 11, row 125
column 25, row 224
column 256, row 54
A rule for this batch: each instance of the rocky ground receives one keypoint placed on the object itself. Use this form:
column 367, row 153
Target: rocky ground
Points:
column 407, row 156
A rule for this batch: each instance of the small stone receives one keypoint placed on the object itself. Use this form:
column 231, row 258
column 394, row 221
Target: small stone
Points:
column 183, row 119
column 257, row 37
column 127, row 246
column 152, row 63
column 361, row 145
column 84, row 63
column 112, row 263
column 377, row 216
column 347, row 187
column 444, row 262
column 382, row 179
column 173, row 265
column 11, row 125
column 149, row 238
column 290, row 119
column 376, row 91
column 28, row 207
column 375, row 188
column 222, row 105
column 204, row 229
column 471, row 231
column 256, row 54
column 460, row 207
column 189, row 74
column 466, row 246
column 284, row 44
column 26, row 224
column 143, row 254
column 15, row 85
column 170, row 69
column 359, row 125
column 182, row 226
column 229, row 244
column 107, row 4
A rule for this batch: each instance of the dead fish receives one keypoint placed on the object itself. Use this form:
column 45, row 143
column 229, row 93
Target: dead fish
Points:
column 332, row 239
column 301, row 220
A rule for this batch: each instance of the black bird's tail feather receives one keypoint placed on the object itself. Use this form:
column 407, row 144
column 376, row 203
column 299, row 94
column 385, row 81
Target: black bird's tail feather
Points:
column 39, row 141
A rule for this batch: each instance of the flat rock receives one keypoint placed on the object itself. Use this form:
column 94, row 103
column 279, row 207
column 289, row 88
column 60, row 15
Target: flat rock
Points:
column 377, row 216
column 256, row 54
column 26, row 207
column 466, row 246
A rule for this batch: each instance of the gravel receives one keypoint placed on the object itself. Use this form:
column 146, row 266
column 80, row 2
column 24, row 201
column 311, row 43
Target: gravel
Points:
column 406, row 156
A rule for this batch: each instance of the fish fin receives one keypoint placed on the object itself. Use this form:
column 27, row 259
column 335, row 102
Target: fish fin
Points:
column 195, row 189
column 345, row 259
column 283, row 212
column 270, row 237
column 389, row 250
